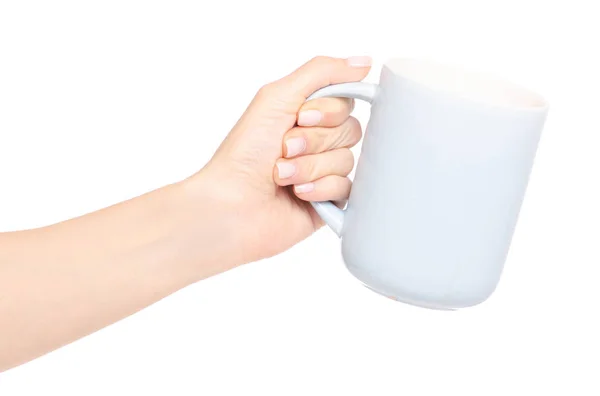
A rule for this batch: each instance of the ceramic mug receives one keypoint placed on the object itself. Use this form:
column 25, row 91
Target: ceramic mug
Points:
column 443, row 170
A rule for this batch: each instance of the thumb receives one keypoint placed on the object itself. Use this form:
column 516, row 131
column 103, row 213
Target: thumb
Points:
column 320, row 72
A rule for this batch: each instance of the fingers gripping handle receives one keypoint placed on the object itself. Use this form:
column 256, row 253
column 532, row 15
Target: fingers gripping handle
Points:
column 331, row 214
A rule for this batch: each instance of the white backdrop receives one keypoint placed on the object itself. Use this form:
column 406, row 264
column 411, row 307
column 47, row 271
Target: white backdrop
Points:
column 103, row 101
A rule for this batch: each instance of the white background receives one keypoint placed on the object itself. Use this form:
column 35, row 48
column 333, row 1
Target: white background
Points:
column 103, row 101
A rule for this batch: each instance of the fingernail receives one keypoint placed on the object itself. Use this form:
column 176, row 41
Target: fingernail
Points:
column 359, row 61
column 285, row 169
column 309, row 117
column 304, row 188
column 295, row 146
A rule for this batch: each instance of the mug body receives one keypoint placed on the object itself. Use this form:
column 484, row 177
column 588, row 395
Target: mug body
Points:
column 439, row 184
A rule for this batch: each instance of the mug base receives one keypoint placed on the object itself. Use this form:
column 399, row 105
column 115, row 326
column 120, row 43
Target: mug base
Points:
column 419, row 304
column 367, row 282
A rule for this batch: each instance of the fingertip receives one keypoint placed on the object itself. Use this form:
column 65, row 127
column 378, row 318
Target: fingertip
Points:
column 294, row 146
column 329, row 188
column 309, row 118
column 304, row 188
column 285, row 170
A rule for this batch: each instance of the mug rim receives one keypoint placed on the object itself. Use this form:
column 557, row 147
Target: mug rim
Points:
column 481, row 87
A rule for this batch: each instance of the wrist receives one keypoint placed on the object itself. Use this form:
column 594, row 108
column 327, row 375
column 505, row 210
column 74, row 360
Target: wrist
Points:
column 206, row 227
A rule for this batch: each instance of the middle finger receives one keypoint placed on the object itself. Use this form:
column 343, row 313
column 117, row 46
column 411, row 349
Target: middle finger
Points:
column 302, row 140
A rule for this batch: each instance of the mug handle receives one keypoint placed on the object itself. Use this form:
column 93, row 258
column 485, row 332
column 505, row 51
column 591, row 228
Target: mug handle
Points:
column 327, row 210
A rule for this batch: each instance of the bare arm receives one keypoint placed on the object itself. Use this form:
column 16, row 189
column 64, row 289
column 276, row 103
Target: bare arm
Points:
column 63, row 281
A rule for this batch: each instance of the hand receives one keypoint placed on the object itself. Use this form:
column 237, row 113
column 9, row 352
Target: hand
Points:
column 281, row 154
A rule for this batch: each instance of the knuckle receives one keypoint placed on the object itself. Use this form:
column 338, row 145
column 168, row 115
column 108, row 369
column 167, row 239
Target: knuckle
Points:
column 331, row 106
column 323, row 139
column 343, row 186
column 347, row 159
column 350, row 155
column 339, row 187
column 267, row 89
column 353, row 130
column 321, row 60
column 347, row 135
column 339, row 106
column 346, row 183
column 342, row 105
column 323, row 63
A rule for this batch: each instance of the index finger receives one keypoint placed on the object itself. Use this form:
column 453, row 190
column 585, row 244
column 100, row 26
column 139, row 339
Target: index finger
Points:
column 322, row 71
column 325, row 112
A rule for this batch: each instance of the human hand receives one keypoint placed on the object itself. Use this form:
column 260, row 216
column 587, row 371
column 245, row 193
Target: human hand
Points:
column 281, row 154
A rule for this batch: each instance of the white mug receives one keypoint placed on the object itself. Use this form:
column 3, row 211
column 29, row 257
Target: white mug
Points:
column 443, row 171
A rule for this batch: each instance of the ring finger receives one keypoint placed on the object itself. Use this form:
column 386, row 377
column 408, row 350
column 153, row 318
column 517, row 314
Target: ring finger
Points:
column 307, row 168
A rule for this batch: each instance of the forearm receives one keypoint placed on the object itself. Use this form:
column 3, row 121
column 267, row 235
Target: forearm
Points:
column 62, row 282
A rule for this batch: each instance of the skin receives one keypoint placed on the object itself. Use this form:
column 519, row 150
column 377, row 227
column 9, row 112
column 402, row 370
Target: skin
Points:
column 61, row 282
